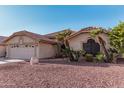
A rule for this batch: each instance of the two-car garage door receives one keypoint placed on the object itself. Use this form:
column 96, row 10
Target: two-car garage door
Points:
column 22, row 51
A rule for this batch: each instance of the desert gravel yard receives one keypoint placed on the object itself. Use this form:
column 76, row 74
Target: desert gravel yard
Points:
column 61, row 74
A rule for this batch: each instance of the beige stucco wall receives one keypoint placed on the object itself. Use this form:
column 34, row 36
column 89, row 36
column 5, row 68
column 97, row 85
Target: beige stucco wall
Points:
column 76, row 43
column 106, row 39
column 17, row 39
column 21, row 52
column 13, row 40
column 46, row 50
column 2, row 51
column 28, row 39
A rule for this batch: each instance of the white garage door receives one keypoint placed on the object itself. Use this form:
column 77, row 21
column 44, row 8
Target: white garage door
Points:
column 22, row 52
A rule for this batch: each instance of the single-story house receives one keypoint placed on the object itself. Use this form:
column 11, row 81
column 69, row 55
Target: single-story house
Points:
column 24, row 44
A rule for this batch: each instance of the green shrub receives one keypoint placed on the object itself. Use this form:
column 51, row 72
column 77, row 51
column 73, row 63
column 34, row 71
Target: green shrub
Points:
column 100, row 57
column 82, row 53
column 113, row 54
column 76, row 55
column 73, row 55
column 89, row 57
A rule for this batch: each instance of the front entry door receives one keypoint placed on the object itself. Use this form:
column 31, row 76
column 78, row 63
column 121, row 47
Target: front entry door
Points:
column 91, row 47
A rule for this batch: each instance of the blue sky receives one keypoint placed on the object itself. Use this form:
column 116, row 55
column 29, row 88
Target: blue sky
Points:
column 46, row 19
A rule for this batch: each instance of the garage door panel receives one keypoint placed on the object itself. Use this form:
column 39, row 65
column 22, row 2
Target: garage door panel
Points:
column 21, row 52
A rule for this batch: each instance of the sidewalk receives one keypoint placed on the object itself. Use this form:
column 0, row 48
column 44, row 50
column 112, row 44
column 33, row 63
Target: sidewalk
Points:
column 4, row 60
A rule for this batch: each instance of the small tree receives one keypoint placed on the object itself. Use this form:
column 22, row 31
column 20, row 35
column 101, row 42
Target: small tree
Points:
column 62, row 36
column 96, row 34
column 116, row 37
column 63, row 43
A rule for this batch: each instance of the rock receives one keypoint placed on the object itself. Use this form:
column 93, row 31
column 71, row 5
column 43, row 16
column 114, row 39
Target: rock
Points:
column 34, row 60
column 80, row 59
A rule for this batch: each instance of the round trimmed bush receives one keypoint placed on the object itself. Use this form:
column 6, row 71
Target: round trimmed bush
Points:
column 89, row 57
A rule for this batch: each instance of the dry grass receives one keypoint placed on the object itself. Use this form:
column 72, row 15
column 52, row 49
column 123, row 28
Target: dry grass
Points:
column 61, row 74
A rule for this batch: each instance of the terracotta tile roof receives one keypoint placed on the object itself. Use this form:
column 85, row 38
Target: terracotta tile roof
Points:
column 86, row 30
column 40, row 38
column 2, row 38
column 52, row 35
column 89, row 29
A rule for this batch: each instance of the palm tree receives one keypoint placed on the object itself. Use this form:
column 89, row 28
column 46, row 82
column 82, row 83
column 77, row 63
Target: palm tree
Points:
column 62, row 36
column 62, row 39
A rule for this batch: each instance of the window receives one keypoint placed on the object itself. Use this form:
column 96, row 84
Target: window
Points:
column 91, row 47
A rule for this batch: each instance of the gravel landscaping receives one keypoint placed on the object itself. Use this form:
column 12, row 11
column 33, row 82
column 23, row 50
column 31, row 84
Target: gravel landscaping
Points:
column 57, row 74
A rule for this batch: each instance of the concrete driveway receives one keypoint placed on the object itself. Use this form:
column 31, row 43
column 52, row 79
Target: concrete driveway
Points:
column 4, row 60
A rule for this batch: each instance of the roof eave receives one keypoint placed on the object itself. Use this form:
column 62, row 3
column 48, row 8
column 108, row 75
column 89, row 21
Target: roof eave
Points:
column 45, row 41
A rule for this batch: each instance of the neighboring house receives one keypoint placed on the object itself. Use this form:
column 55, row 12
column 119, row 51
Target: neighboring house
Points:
column 24, row 44
column 2, row 46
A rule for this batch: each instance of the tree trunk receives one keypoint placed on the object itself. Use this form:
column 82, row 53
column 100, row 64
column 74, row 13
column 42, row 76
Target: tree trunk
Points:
column 104, row 48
